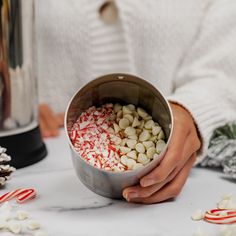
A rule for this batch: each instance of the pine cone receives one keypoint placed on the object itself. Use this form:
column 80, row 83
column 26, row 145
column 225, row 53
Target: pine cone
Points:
column 5, row 169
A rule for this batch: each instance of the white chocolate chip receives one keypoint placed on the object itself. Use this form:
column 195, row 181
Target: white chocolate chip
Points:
column 156, row 130
column 161, row 135
column 138, row 131
column 140, row 148
column 144, row 136
column 123, row 123
column 41, row 233
column 135, row 114
column 130, row 163
column 131, row 143
column 119, row 114
column 116, row 140
column 149, row 124
column 197, row 215
column 131, row 107
column 147, row 118
column 141, row 125
column 148, row 144
column 125, row 150
column 2, row 224
column 136, row 122
column 142, row 158
column 130, row 131
column 123, row 160
column 150, row 152
column 153, row 138
column 126, row 110
column 116, row 128
column 33, row 225
column 123, row 142
column 137, row 166
column 117, row 107
column 129, row 117
column 227, row 197
column 160, row 146
column 132, row 155
column 22, row 215
column 134, row 137
column 142, row 112
column 14, row 227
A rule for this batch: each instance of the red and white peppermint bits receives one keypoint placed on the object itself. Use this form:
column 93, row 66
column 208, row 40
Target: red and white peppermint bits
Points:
column 22, row 195
column 117, row 138
column 220, row 216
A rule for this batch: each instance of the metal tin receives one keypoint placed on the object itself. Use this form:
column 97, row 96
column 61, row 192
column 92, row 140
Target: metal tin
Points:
column 125, row 89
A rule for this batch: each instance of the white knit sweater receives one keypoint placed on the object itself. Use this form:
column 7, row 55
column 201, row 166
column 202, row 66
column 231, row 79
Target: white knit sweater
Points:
column 186, row 48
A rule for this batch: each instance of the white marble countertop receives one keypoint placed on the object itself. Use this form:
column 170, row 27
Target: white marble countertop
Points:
column 65, row 207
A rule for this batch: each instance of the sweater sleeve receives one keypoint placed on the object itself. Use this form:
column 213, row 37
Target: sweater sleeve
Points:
column 205, row 82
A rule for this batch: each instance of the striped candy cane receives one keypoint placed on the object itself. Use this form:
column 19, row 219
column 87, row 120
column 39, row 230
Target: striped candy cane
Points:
column 20, row 194
column 220, row 216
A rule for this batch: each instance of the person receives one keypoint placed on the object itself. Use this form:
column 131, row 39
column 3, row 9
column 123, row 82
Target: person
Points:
column 186, row 49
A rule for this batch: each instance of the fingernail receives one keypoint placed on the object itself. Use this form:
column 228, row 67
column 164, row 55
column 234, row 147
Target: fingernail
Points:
column 147, row 182
column 132, row 195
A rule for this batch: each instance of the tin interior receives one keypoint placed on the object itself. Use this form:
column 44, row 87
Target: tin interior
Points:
column 125, row 89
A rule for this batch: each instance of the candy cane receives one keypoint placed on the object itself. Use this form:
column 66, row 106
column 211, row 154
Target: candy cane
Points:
column 220, row 216
column 20, row 194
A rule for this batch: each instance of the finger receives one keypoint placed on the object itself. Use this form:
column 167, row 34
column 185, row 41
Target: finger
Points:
column 144, row 192
column 60, row 119
column 171, row 189
column 50, row 119
column 43, row 128
column 170, row 160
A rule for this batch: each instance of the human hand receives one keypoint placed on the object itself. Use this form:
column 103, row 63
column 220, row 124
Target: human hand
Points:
column 167, row 179
column 49, row 121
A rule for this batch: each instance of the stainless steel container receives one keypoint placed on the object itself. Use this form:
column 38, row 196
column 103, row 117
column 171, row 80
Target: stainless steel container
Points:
column 125, row 89
column 19, row 131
